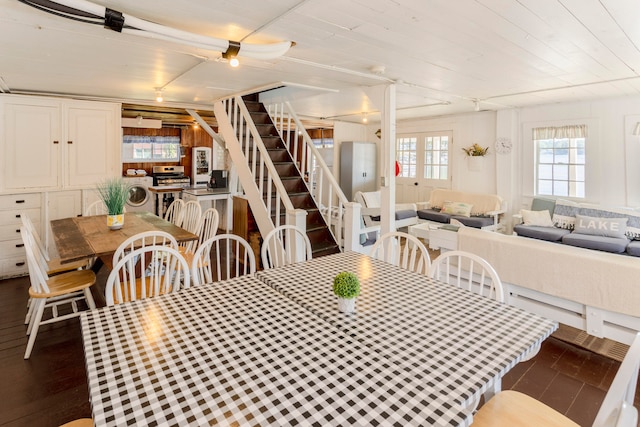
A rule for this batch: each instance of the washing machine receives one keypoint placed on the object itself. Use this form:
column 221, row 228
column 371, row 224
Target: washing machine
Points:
column 140, row 198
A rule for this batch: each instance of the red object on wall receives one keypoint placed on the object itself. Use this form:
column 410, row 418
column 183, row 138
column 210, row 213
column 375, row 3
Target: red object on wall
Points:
column 397, row 168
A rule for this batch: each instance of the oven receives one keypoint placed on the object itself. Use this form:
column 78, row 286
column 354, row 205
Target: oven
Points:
column 169, row 176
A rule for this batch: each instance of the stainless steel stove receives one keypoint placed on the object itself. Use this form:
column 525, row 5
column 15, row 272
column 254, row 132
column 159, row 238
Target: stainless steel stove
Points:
column 170, row 176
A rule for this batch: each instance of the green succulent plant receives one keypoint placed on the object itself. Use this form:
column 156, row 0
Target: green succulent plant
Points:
column 346, row 285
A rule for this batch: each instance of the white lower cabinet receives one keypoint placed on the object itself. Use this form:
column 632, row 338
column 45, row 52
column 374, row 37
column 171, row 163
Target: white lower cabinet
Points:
column 13, row 261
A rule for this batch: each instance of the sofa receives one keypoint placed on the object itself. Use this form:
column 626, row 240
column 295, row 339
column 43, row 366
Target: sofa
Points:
column 614, row 230
column 470, row 209
column 405, row 213
column 588, row 289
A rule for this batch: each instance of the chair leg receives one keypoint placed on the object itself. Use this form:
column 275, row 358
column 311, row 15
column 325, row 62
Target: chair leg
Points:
column 35, row 324
column 29, row 311
column 89, row 298
column 35, row 306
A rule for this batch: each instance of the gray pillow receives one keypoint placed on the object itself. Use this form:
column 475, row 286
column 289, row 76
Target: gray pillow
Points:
column 596, row 226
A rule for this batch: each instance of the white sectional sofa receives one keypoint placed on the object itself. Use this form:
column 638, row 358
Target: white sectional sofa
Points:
column 595, row 291
column 406, row 213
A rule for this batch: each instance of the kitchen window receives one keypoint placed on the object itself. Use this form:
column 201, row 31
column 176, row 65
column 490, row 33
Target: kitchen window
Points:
column 137, row 148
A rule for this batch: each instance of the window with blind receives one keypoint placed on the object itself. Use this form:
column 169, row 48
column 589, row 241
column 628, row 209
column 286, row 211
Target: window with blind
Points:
column 150, row 148
column 560, row 160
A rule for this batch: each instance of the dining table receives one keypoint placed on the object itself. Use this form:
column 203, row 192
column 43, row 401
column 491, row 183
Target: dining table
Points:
column 458, row 339
column 238, row 352
column 83, row 237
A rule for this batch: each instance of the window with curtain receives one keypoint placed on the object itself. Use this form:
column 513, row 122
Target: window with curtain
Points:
column 150, row 148
column 560, row 160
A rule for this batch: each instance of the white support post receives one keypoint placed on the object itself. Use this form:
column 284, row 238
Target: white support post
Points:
column 298, row 217
column 352, row 226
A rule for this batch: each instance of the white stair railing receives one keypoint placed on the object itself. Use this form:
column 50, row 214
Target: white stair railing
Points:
column 322, row 184
column 256, row 172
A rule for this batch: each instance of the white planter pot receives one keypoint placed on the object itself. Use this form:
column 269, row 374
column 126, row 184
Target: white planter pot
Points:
column 475, row 163
column 347, row 305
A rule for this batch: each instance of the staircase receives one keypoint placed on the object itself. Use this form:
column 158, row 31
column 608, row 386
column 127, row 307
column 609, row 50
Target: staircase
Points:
column 280, row 192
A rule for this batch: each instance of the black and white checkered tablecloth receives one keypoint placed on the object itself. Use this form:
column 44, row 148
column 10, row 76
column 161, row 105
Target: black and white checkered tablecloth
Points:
column 240, row 353
column 459, row 340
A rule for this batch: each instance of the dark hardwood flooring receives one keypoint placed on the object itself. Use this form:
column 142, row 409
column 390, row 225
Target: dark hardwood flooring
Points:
column 51, row 388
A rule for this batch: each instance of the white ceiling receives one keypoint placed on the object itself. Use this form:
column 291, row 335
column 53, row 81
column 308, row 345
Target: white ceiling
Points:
column 444, row 54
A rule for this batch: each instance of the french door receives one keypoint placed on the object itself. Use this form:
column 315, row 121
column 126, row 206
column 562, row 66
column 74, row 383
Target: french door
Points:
column 424, row 160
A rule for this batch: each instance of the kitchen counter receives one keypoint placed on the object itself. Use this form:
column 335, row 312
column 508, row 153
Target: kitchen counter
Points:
column 210, row 198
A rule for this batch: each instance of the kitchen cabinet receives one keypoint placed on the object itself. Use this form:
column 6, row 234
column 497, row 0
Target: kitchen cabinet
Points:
column 52, row 143
column 13, row 260
column 358, row 167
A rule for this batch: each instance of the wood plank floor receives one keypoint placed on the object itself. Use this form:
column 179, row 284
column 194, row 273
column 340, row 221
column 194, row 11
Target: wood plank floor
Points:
column 51, row 388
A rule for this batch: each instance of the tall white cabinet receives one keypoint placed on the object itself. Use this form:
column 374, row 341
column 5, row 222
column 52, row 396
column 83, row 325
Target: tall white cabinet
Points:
column 51, row 151
column 51, row 143
column 358, row 167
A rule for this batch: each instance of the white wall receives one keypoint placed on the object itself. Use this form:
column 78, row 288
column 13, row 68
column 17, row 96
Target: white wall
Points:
column 613, row 154
column 477, row 127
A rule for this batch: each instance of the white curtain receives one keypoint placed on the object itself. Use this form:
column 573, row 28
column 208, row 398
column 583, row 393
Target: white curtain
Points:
column 558, row 132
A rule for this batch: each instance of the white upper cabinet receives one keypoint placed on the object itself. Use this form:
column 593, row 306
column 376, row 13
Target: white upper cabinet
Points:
column 51, row 143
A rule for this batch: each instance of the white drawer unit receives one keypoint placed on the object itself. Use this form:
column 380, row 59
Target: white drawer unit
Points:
column 13, row 261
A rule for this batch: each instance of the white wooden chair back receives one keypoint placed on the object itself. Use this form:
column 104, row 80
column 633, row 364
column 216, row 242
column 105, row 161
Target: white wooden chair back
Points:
column 468, row 271
column 617, row 408
column 207, row 228
column 285, row 245
column 191, row 216
column 404, row 250
column 174, row 212
column 232, row 257
column 167, row 271
column 36, row 263
column 31, row 229
column 96, row 208
column 141, row 240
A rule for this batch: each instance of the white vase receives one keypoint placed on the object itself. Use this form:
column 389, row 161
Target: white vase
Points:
column 347, row 305
column 115, row 222
column 476, row 163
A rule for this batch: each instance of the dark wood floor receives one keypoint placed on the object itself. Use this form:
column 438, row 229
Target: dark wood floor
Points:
column 51, row 388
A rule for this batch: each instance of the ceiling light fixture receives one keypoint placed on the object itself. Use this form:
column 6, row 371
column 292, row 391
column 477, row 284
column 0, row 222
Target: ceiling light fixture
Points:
column 476, row 105
column 85, row 11
column 636, row 130
column 364, row 117
column 139, row 120
column 159, row 97
column 231, row 54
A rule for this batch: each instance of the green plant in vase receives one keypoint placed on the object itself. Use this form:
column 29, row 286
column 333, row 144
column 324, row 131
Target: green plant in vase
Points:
column 346, row 287
column 114, row 192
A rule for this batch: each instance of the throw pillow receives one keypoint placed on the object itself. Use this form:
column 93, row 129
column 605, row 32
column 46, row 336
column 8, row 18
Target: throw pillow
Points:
column 457, row 208
column 607, row 227
column 539, row 218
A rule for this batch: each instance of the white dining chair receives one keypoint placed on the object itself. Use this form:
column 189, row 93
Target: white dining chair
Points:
column 207, row 228
column 166, row 272
column 285, row 245
column 51, row 292
column 174, row 212
column 468, row 271
column 222, row 257
column 512, row 408
column 191, row 213
column 404, row 250
column 141, row 240
column 53, row 265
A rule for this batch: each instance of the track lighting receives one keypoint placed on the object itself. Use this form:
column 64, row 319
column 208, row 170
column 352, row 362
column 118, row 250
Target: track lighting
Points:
column 139, row 120
column 364, row 117
column 159, row 97
column 231, row 54
column 476, row 105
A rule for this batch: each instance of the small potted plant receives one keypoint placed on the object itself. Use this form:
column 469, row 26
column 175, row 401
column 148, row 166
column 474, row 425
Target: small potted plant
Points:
column 476, row 154
column 113, row 193
column 346, row 287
